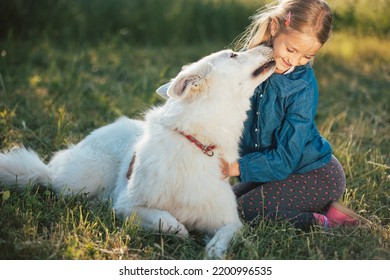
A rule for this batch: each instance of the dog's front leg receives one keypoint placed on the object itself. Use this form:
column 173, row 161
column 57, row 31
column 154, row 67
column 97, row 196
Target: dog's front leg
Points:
column 159, row 221
column 218, row 245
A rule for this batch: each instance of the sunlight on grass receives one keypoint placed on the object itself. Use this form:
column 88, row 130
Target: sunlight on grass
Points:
column 59, row 82
column 365, row 52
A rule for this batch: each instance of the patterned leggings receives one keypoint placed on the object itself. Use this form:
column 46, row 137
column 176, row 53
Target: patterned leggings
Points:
column 294, row 199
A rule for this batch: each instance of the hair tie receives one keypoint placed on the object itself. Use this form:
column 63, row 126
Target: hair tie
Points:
column 288, row 20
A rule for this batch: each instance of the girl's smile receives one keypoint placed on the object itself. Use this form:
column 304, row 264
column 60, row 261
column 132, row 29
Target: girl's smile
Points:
column 288, row 65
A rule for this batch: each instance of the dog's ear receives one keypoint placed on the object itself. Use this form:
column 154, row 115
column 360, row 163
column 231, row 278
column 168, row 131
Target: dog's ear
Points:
column 181, row 87
column 189, row 82
column 163, row 90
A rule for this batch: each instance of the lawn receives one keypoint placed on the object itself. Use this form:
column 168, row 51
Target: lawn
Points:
column 56, row 89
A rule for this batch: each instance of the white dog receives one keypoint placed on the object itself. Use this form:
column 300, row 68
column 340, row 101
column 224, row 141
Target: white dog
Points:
column 175, row 182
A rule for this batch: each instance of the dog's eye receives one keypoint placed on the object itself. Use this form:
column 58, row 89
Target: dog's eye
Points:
column 233, row 55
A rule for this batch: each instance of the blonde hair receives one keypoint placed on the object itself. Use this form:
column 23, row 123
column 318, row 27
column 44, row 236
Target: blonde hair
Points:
column 306, row 16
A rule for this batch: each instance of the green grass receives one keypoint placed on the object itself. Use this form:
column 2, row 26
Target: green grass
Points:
column 54, row 93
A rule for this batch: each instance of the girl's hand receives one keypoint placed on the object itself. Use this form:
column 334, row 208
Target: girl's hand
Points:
column 229, row 170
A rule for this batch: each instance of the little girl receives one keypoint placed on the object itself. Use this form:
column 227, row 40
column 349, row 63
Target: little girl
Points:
column 286, row 169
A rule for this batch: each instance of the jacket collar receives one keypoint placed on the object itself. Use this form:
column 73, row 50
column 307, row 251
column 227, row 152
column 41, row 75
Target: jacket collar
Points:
column 288, row 84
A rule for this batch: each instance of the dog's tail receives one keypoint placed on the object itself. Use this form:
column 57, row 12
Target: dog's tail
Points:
column 23, row 167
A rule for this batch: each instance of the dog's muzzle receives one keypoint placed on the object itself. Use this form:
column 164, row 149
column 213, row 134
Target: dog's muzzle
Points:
column 264, row 68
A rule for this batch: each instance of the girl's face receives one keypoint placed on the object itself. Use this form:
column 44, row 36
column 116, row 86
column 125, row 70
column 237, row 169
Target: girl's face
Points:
column 293, row 48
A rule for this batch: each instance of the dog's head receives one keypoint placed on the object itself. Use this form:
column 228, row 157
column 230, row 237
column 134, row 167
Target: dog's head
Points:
column 225, row 71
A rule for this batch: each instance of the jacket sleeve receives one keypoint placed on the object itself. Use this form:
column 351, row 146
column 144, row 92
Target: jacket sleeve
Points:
column 289, row 142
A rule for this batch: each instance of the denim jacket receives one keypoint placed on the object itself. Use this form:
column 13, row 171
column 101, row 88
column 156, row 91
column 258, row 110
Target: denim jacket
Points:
column 280, row 136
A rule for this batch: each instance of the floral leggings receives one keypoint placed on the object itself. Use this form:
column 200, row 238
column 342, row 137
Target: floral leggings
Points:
column 294, row 199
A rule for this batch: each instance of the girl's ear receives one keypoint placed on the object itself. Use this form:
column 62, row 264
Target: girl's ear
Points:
column 274, row 27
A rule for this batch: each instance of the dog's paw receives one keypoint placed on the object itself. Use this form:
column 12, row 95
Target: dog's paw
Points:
column 171, row 225
column 218, row 245
column 215, row 249
column 215, row 252
column 180, row 231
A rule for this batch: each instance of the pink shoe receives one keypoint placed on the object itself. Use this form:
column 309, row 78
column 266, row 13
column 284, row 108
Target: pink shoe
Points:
column 340, row 215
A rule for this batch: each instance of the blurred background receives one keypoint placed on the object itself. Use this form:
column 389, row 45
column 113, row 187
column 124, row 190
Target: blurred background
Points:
column 70, row 66
column 162, row 22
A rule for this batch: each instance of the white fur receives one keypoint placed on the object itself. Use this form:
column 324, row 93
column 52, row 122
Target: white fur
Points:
column 174, row 186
